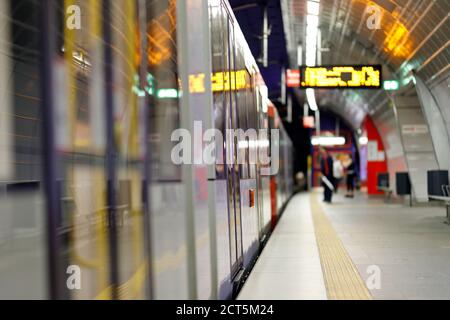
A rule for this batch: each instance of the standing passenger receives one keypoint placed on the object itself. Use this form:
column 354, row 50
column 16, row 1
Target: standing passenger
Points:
column 351, row 175
column 338, row 172
column 326, row 165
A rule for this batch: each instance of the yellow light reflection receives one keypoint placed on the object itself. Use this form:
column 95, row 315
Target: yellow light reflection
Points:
column 395, row 42
column 197, row 83
column 161, row 36
column 342, row 77
column 220, row 81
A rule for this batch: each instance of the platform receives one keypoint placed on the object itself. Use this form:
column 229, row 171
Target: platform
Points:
column 360, row 248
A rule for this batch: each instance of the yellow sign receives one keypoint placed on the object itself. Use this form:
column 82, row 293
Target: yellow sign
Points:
column 220, row 81
column 226, row 81
column 197, row 83
column 363, row 77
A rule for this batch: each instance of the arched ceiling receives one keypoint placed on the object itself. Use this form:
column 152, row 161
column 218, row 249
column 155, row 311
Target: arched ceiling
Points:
column 413, row 36
column 249, row 14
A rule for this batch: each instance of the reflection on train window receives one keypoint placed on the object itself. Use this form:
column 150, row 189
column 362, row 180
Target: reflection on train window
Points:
column 80, row 137
column 163, row 74
column 220, row 97
column 23, row 272
column 128, row 127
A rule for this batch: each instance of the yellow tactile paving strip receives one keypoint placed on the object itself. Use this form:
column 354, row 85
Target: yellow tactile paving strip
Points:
column 342, row 279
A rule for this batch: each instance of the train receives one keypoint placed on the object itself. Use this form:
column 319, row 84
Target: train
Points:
column 93, row 205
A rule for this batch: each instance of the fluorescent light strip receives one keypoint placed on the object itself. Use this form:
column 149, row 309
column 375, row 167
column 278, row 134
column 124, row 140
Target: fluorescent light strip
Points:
column 311, row 97
column 363, row 141
column 312, row 30
column 254, row 144
column 313, row 7
column 328, row 141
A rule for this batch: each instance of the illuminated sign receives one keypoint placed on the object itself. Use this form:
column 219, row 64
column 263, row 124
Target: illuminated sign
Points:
column 220, row 81
column 167, row 94
column 197, row 83
column 390, row 85
column 149, row 88
column 292, row 78
column 362, row 77
column 309, row 122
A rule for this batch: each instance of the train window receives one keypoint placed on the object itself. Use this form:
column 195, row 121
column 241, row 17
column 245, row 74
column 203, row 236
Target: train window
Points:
column 165, row 87
column 23, row 251
column 242, row 109
column 80, row 139
column 219, row 56
column 252, row 123
column 130, row 168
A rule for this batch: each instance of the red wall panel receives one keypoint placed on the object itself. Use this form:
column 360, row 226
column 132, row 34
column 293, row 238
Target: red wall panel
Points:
column 374, row 167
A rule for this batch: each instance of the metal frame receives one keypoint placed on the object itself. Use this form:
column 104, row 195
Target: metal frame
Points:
column 110, row 149
column 142, row 8
column 50, row 157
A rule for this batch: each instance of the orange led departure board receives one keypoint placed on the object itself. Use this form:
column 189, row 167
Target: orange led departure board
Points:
column 221, row 81
column 332, row 77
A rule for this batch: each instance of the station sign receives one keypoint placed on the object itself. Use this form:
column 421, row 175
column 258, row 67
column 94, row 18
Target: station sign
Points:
column 341, row 77
column 391, row 85
column 220, row 81
column 229, row 81
column 309, row 122
column 292, row 78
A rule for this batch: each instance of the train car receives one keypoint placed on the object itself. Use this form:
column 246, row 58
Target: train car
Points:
column 281, row 184
column 93, row 204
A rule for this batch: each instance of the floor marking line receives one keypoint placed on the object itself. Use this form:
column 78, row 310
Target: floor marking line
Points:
column 342, row 279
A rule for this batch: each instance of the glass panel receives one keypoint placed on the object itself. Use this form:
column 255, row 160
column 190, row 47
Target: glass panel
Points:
column 219, row 61
column 80, row 141
column 235, row 126
column 23, row 273
column 168, row 216
column 128, row 129
column 165, row 87
column 229, row 144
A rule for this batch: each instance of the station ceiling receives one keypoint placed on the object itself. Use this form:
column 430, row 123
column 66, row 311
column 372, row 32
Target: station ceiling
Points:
column 413, row 35
column 249, row 14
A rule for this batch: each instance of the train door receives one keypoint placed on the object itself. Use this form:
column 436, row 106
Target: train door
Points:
column 129, row 126
column 264, row 180
column 260, row 194
column 232, row 169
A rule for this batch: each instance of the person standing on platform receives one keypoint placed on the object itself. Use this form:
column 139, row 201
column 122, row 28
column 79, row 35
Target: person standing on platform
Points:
column 326, row 165
column 338, row 172
column 351, row 175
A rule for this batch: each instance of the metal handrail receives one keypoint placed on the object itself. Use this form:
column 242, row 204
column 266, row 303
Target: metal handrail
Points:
column 444, row 189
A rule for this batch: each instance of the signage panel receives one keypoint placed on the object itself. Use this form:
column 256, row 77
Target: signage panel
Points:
column 341, row 77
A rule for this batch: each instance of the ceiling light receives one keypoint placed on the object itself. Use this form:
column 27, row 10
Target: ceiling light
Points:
column 363, row 141
column 390, row 85
column 328, row 141
column 313, row 8
column 312, row 21
column 311, row 97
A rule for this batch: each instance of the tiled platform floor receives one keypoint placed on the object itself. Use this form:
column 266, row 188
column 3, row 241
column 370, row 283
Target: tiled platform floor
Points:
column 409, row 246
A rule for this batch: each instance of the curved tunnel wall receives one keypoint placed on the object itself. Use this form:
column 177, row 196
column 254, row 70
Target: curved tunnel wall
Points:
column 417, row 142
column 385, row 122
column 438, row 121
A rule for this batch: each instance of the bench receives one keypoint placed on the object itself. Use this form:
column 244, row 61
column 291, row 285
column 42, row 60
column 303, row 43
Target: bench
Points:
column 446, row 201
column 387, row 192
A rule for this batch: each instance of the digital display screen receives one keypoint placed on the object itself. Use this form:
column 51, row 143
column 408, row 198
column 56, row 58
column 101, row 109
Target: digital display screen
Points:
column 226, row 81
column 332, row 77
column 220, row 81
